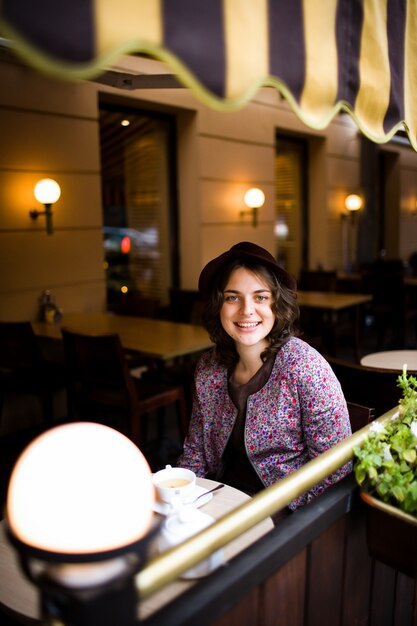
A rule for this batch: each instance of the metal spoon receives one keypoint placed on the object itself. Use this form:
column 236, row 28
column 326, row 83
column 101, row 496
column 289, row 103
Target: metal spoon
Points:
column 177, row 505
column 220, row 486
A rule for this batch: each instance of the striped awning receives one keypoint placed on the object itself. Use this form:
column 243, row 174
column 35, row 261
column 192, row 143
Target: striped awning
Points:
column 322, row 55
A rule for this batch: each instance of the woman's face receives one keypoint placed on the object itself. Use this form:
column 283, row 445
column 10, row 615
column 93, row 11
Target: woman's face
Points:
column 246, row 313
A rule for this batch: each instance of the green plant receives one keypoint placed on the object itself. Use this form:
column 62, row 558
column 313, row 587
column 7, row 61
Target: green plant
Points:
column 386, row 464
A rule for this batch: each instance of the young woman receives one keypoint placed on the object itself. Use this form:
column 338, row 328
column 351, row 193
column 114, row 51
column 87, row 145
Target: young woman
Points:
column 265, row 402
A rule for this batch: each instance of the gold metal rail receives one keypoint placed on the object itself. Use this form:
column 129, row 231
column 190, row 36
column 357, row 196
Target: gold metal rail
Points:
column 166, row 567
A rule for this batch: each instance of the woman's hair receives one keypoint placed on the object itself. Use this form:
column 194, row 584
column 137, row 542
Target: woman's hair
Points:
column 284, row 306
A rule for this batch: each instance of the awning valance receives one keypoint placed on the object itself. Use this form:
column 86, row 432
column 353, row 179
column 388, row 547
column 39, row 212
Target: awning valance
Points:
column 322, row 55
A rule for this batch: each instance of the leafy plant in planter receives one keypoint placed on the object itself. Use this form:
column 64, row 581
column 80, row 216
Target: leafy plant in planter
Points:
column 386, row 470
column 387, row 461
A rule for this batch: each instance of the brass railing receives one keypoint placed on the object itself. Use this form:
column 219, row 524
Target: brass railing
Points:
column 166, row 567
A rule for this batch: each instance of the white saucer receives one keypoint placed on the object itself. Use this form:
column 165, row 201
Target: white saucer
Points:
column 164, row 508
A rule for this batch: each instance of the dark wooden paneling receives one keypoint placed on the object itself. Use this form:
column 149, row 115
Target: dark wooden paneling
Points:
column 284, row 594
column 383, row 595
column 246, row 613
column 358, row 568
column 325, row 577
column 404, row 601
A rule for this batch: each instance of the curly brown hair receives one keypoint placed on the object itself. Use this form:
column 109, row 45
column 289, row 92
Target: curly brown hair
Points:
column 284, row 306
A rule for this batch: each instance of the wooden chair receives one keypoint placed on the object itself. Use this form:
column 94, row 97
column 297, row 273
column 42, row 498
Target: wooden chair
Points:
column 391, row 308
column 367, row 386
column 137, row 306
column 24, row 369
column 322, row 329
column 101, row 387
column 184, row 305
column 318, row 280
column 359, row 415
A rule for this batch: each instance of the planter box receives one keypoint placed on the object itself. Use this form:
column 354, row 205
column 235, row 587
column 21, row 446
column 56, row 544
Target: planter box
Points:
column 391, row 535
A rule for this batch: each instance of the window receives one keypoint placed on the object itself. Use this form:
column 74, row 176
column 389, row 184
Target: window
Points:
column 290, row 203
column 139, row 203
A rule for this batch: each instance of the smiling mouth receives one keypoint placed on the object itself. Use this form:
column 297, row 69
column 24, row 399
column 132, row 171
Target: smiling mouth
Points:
column 247, row 324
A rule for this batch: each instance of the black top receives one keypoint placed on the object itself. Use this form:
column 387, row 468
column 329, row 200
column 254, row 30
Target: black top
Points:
column 237, row 469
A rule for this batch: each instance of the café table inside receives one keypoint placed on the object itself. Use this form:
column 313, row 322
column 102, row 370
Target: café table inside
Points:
column 161, row 340
column 392, row 359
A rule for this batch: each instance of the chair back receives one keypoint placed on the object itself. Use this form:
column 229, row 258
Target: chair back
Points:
column 386, row 285
column 183, row 304
column 318, row 280
column 137, row 306
column 19, row 348
column 25, row 371
column 359, row 415
column 368, row 386
column 100, row 386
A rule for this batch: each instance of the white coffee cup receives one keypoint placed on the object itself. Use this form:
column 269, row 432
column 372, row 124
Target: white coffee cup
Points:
column 174, row 482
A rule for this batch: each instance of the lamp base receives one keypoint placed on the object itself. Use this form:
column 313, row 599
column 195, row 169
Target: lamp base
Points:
column 105, row 605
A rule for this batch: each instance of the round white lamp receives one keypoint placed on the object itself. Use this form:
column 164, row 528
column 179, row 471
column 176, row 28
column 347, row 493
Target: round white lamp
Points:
column 353, row 202
column 254, row 198
column 80, row 501
column 47, row 192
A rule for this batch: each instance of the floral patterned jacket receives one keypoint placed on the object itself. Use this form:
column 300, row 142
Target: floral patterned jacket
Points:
column 299, row 413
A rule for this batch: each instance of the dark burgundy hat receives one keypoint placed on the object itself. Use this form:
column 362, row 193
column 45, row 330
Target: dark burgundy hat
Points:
column 244, row 250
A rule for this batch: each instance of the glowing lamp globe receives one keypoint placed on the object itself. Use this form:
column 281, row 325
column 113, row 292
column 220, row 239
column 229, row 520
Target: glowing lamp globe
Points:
column 353, row 202
column 81, row 488
column 254, row 198
column 47, row 191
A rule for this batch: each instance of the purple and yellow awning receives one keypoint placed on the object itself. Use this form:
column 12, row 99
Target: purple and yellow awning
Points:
column 322, row 55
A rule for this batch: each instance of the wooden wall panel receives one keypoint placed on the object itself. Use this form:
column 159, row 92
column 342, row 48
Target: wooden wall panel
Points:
column 382, row 595
column 404, row 605
column 325, row 577
column 245, row 613
column 284, row 594
column 358, row 571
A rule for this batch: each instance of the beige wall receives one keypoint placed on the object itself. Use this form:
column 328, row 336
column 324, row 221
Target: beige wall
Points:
column 50, row 128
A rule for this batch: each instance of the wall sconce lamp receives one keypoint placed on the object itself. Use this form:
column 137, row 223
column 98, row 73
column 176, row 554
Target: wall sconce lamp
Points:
column 47, row 192
column 353, row 203
column 82, row 531
column 254, row 198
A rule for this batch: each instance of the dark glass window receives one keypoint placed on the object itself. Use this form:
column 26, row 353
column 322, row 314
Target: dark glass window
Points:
column 139, row 204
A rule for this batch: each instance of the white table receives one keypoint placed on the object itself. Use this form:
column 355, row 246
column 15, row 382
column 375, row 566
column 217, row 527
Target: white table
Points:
column 392, row 359
column 20, row 597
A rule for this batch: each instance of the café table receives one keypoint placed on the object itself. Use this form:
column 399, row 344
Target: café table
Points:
column 160, row 340
column 331, row 300
column 332, row 304
column 391, row 359
column 19, row 598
